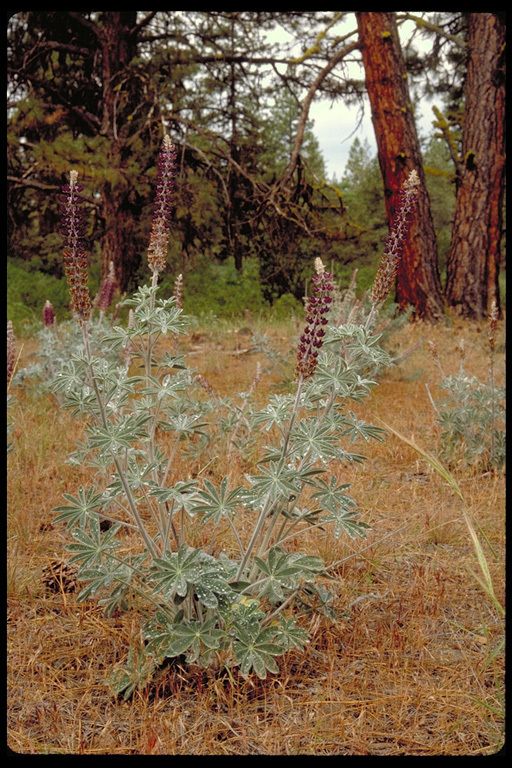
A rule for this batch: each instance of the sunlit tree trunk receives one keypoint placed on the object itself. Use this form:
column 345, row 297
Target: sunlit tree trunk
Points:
column 418, row 281
column 475, row 250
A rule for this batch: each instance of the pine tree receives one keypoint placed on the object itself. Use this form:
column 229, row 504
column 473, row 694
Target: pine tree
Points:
column 82, row 99
column 475, row 252
column 418, row 281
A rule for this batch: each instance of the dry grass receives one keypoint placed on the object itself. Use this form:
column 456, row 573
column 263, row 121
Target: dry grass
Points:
column 413, row 666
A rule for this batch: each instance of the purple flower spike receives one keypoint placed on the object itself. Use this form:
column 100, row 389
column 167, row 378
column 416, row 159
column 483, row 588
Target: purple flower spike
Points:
column 75, row 259
column 157, row 252
column 48, row 315
column 107, row 290
column 395, row 242
column 312, row 338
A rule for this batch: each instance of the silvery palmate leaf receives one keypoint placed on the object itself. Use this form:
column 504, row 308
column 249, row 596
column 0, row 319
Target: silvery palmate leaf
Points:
column 277, row 411
column 136, row 673
column 168, row 387
column 277, row 481
column 184, row 423
column 255, row 648
column 217, row 503
column 282, row 569
column 360, row 342
column 316, row 442
column 136, row 472
column 291, row 635
column 79, row 509
column 91, row 548
column 317, row 598
column 182, row 495
column 193, row 638
column 123, row 574
column 118, row 435
column 341, row 508
column 105, row 575
column 358, row 428
column 173, row 573
column 211, row 586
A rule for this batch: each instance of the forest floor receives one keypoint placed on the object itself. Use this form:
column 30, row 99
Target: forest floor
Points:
column 413, row 666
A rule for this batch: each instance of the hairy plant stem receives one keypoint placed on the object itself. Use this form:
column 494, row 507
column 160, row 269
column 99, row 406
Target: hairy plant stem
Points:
column 493, row 405
column 170, row 460
column 119, row 469
column 147, row 353
column 267, row 507
column 255, row 535
column 281, row 538
column 326, row 410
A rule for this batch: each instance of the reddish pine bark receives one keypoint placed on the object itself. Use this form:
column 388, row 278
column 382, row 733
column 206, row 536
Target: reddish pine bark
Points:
column 418, row 281
column 118, row 46
column 475, row 250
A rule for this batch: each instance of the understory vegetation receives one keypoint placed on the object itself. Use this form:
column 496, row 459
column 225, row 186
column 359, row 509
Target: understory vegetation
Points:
column 414, row 663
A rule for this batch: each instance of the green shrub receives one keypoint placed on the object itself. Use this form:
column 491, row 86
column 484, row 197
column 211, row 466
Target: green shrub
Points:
column 286, row 306
column 220, row 290
column 27, row 293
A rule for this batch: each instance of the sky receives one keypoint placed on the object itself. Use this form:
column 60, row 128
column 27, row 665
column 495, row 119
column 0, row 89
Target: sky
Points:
column 336, row 128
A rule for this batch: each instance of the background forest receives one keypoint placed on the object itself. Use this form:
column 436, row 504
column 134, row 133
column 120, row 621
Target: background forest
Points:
column 253, row 206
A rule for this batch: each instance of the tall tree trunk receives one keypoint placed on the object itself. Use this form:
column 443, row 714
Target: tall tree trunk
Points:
column 418, row 281
column 233, row 204
column 475, row 250
column 118, row 46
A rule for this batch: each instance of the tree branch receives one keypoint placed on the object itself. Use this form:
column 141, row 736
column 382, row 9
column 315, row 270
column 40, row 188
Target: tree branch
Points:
column 307, row 103
column 144, row 22
column 20, row 182
column 433, row 28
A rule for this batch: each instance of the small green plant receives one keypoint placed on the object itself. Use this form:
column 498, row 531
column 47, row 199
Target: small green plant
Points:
column 472, row 415
column 26, row 293
column 240, row 603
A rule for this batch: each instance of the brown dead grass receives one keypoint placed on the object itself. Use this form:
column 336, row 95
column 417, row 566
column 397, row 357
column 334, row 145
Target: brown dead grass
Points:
column 411, row 668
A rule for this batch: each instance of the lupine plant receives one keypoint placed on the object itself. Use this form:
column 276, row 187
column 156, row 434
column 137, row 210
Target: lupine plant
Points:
column 240, row 603
column 58, row 342
column 472, row 415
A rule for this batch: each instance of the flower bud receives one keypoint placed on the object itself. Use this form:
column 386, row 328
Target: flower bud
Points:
column 48, row 315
